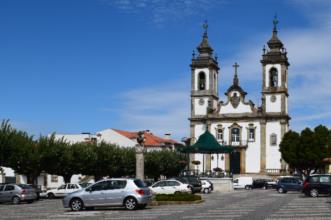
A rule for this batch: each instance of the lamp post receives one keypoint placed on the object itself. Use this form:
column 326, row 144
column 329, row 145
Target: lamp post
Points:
column 140, row 155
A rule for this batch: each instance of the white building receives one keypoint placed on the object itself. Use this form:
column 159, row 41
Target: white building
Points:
column 254, row 132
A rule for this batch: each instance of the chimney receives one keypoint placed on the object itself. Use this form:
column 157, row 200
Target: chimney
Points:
column 167, row 136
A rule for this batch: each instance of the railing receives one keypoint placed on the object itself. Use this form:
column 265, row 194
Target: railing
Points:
column 209, row 173
column 275, row 171
column 241, row 143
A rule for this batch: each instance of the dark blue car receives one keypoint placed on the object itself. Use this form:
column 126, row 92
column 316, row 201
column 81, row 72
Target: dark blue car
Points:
column 285, row 184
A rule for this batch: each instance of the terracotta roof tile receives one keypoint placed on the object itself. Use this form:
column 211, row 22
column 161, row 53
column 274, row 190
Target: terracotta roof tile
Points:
column 150, row 139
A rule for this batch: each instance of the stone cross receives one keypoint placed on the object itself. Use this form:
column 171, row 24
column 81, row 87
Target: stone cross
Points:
column 235, row 67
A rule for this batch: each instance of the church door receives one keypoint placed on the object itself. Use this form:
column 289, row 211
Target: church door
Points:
column 235, row 162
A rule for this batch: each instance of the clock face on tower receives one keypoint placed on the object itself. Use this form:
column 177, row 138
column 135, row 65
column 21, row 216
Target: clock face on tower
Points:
column 273, row 98
column 201, row 101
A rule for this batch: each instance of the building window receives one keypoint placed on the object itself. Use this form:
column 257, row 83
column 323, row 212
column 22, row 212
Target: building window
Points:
column 273, row 77
column 235, row 135
column 273, row 139
column 251, row 134
column 219, row 134
column 54, row 178
column 202, row 81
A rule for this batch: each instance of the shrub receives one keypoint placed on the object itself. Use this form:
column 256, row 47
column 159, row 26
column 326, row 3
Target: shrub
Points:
column 177, row 197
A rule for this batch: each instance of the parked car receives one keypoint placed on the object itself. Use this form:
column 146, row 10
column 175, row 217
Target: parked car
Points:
column 84, row 185
column 263, row 183
column 63, row 190
column 211, row 184
column 243, row 182
column 193, row 181
column 270, row 184
column 285, row 184
column 170, row 187
column 130, row 193
column 206, row 186
column 317, row 184
column 16, row 193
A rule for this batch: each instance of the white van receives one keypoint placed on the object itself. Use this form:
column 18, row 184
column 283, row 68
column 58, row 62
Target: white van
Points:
column 243, row 182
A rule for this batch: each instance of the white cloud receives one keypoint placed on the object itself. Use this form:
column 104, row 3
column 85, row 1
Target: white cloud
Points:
column 161, row 11
column 163, row 108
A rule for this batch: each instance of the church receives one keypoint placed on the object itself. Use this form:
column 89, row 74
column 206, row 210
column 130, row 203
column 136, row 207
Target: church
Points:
column 254, row 132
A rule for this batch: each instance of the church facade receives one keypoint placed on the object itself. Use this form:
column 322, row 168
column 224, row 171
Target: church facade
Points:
column 254, row 132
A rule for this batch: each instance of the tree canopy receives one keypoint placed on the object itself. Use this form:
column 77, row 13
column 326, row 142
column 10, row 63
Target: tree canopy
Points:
column 30, row 157
column 305, row 151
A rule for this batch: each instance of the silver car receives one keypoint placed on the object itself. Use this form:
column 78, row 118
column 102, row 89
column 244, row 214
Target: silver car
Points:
column 130, row 193
column 17, row 193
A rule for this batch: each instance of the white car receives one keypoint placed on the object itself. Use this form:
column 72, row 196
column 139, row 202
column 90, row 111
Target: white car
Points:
column 205, row 186
column 169, row 187
column 63, row 190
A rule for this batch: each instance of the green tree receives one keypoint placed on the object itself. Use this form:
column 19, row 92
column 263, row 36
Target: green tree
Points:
column 7, row 134
column 26, row 156
column 305, row 151
column 164, row 162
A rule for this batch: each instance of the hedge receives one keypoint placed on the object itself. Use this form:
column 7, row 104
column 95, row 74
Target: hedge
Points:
column 177, row 197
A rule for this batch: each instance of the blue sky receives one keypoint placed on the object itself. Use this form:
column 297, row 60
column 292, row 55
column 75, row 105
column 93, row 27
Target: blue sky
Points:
column 72, row 66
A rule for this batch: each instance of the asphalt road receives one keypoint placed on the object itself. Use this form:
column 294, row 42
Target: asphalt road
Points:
column 244, row 204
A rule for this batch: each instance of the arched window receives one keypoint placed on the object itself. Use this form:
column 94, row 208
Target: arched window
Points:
column 219, row 134
column 202, row 81
column 235, row 135
column 273, row 139
column 273, row 77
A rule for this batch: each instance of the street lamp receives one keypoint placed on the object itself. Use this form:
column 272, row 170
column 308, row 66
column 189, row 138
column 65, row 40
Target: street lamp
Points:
column 140, row 155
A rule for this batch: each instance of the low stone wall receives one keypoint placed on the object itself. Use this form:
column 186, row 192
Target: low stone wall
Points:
column 222, row 184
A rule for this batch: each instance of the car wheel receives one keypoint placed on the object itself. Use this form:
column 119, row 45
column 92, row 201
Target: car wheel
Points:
column 50, row 196
column 313, row 193
column 142, row 206
column 247, row 187
column 16, row 200
column 130, row 203
column 206, row 191
column 76, row 204
column 281, row 190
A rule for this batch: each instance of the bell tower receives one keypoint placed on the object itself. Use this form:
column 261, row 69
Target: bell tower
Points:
column 204, row 78
column 275, row 76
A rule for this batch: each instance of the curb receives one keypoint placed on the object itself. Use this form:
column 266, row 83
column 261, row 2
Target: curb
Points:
column 158, row 203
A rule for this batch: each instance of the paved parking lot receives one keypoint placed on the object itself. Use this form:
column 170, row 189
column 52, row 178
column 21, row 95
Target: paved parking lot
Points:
column 251, row 204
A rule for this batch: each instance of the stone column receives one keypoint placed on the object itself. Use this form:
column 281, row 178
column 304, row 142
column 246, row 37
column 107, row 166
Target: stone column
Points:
column 283, row 124
column 140, row 162
column 191, row 156
column 242, row 161
column 263, row 147
column 227, row 162
column 207, row 162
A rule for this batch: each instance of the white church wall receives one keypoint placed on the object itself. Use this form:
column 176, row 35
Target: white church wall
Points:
column 199, row 130
column 196, row 75
column 273, row 106
column 241, row 108
column 200, row 109
column 272, row 152
column 253, row 150
column 268, row 67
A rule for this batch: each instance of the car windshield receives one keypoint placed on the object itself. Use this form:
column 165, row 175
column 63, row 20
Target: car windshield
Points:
column 139, row 183
column 25, row 186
